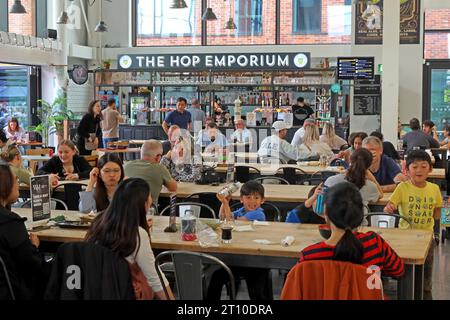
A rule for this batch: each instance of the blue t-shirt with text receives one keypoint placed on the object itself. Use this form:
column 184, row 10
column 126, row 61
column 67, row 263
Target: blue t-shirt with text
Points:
column 257, row 214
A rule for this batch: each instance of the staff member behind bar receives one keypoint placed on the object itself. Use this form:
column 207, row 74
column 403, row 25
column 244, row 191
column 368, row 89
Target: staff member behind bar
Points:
column 197, row 114
column 110, row 123
column 301, row 111
column 181, row 117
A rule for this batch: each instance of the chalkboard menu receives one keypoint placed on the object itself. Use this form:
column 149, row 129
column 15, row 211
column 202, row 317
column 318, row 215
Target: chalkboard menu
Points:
column 353, row 68
column 367, row 97
column 40, row 197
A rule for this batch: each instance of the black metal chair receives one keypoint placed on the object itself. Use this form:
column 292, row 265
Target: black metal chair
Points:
column 385, row 220
column 70, row 193
column 243, row 173
column 293, row 175
column 190, row 275
column 208, row 198
column 209, row 210
column 318, row 177
column 271, row 180
column 271, row 211
column 7, row 279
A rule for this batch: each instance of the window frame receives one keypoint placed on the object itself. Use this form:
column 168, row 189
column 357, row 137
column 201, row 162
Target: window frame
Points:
column 295, row 31
column 40, row 18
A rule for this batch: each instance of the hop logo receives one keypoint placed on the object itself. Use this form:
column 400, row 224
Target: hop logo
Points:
column 300, row 60
column 125, row 62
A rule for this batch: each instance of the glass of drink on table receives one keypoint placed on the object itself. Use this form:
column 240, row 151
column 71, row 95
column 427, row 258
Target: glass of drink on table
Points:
column 149, row 217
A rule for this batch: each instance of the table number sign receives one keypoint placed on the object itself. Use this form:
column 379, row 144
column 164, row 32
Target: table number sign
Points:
column 40, row 197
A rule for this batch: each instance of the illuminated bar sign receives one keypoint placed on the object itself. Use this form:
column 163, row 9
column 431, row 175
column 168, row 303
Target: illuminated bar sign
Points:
column 216, row 62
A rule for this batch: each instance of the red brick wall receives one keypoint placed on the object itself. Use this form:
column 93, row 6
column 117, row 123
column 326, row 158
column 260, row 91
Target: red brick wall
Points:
column 218, row 35
column 23, row 23
column 436, row 43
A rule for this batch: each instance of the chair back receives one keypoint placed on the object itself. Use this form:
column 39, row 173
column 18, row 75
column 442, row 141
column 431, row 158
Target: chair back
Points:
column 271, row 211
column 208, row 198
column 271, row 180
column 7, row 279
column 332, row 280
column 293, row 175
column 189, row 273
column 194, row 206
column 385, row 220
column 92, row 160
column 32, row 164
column 69, row 193
column 243, row 173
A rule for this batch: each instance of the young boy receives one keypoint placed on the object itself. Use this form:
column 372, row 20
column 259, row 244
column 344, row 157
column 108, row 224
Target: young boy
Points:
column 252, row 197
column 305, row 213
column 420, row 201
column 258, row 279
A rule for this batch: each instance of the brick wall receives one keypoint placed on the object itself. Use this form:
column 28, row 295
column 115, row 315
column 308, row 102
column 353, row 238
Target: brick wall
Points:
column 436, row 43
column 218, row 35
column 23, row 23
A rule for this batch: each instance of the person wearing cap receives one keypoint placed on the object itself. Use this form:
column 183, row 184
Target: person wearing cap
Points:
column 300, row 133
column 277, row 147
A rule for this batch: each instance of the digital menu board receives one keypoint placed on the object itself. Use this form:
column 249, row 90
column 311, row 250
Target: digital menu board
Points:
column 353, row 68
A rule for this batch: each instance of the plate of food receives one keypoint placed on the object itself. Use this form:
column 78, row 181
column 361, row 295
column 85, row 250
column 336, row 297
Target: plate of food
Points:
column 73, row 224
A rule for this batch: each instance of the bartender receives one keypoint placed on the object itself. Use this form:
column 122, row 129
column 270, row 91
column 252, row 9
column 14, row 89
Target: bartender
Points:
column 301, row 111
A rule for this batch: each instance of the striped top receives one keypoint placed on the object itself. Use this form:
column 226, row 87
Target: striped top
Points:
column 376, row 252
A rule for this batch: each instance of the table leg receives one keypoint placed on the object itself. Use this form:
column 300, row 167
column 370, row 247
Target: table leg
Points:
column 405, row 288
column 418, row 281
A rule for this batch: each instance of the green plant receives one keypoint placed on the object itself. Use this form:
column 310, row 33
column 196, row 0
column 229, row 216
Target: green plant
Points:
column 52, row 116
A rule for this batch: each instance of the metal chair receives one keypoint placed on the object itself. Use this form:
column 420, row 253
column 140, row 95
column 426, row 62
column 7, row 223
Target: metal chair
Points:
column 243, row 173
column 208, row 198
column 189, row 273
column 271, row 180
column 7, row 279
column 166, row 210
column 271, row 211
column 385, row 220
column 318, row 177
column 53, row 202
column 291, row 174
column 70, row 194
column 92, row 160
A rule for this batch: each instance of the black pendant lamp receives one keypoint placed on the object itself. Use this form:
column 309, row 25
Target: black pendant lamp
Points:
column 209, row 15
column 17, row 7
column 178, row 4
column 230, row 24
column 101, row 25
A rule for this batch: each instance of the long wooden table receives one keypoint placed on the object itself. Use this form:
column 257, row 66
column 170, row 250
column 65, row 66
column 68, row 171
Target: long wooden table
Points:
column 411, row 245
column 273, row 192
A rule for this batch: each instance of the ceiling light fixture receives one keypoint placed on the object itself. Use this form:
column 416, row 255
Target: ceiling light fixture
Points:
column 17, row 7
column 209, row 15
column 178, row 4
column 101, row 25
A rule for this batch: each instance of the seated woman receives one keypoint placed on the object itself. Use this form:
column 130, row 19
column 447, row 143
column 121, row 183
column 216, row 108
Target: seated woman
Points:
column 123, row 228
column 312, row 143
column 179, row 160
column 306, row 212
column 446, row 140
column 13, row 131
column 67, row 165
column 344, row 213
column 103, row 181
column 360, row 175
column 14, row 159
column 329, row 137
column 355, row 140
column 19, row 251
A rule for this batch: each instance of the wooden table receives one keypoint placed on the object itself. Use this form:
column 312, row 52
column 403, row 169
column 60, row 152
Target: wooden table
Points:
column 273, row 192
column 411, row 245
column 121, row 152
column 31, row 144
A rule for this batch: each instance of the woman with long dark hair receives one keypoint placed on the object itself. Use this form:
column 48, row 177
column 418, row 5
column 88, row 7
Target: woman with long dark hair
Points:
column 89, row 128
column 18, row 250
column 123, row 228
column 344, row 214
column 359, row 174
column 13, row 131
column 103, row 182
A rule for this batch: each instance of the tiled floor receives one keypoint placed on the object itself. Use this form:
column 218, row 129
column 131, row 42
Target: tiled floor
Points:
column 441, row 278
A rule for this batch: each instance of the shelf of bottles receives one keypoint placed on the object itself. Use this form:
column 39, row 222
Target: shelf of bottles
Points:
column 323, row 107
column 181, row 78
column 118, row 78
column 318, row 78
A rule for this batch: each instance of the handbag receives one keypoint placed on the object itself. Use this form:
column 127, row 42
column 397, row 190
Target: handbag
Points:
column 142, row 290
column 90, row 145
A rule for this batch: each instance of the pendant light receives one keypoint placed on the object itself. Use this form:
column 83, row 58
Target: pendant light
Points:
column 230, row 23
column 178, row 4
column 209, row 15
column 17, row 7
column 101, row 25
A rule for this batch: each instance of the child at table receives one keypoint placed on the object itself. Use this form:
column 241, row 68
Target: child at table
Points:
column 419, row 201
column 305, row 213
column 258, row 279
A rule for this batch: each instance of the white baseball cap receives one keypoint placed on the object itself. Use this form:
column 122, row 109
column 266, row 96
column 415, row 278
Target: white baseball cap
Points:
column 280, row 125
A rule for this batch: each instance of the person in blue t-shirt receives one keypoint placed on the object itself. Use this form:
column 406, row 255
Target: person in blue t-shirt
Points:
column 305, row 213
column 258, row 279
column 384, row 169
column 180, row 117
column 252, row 197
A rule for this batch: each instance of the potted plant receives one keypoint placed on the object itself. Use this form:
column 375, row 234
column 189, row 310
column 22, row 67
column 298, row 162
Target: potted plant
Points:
column 106, row 64
column 52, row 116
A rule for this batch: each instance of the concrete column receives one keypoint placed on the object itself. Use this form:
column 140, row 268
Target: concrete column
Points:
column 391, row 71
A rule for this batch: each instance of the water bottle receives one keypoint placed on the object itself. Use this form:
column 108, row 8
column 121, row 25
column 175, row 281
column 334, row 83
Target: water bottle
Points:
column 230, row 189
column 321, row 200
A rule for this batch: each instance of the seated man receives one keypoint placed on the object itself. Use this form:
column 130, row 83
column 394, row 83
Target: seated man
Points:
column 149, row 169
column 385, row 170
column 277, row 148
column 214, row 139
column 417, row 138
column 242, row 134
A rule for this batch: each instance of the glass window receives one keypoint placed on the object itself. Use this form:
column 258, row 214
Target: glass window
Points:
column 437, row 34
column 315, row 22
column 159, row 25
column 254, row 20
column 24, row 24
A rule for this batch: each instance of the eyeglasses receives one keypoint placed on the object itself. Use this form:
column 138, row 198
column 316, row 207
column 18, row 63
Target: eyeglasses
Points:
column 108, row 171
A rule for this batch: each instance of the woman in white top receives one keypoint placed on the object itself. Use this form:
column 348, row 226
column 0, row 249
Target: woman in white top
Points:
column 329, row 137
column 13, row 131
column 123, row 228
column 312, row 143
